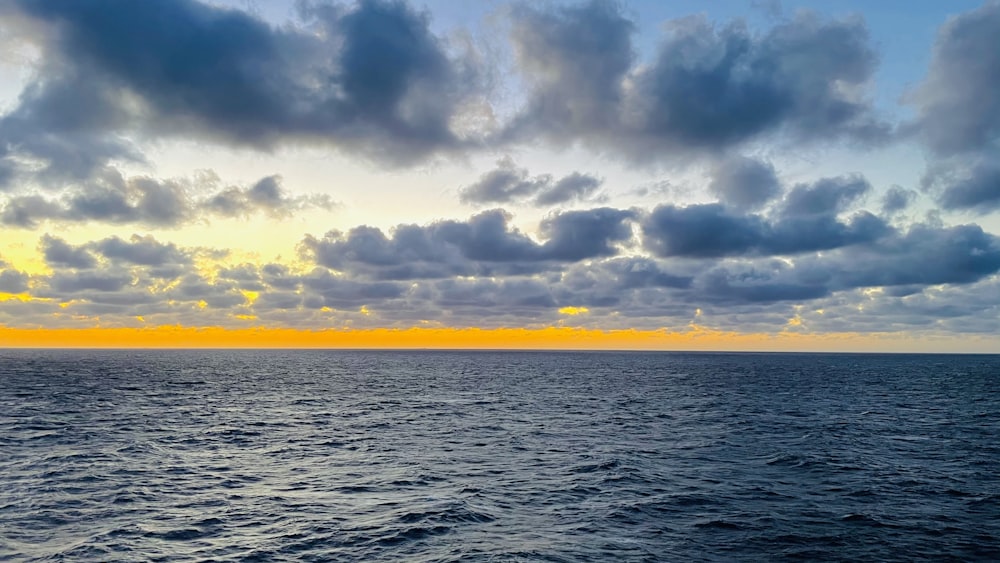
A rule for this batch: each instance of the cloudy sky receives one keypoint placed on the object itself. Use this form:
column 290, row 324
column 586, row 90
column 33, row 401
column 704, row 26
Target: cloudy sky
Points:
column 736, row 175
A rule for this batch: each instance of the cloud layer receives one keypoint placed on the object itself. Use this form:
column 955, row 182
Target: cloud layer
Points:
column 715, row 109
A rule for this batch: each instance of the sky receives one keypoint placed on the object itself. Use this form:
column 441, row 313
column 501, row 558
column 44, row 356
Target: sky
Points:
column 755, row 175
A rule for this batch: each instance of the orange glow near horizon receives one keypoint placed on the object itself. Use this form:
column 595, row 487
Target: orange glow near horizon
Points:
column 551, row 338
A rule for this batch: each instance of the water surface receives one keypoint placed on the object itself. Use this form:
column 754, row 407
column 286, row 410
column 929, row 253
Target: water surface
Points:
column 497, row 456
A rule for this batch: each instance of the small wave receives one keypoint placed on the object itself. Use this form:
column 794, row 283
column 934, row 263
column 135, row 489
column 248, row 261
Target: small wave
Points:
column 866, row 519
column 454, row 514
column 720, row 525
column 591, row 467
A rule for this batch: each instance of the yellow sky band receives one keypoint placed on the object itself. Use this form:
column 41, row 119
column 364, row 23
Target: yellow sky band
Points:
column 551, row 338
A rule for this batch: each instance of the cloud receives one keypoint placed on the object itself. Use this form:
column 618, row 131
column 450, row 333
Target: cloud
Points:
column 971, row 183
column 73, row 282
column 575, row 59
column 743, row 182
column 58, row 253
column 141, row 251
column 807, row 222
column 13, row 281
column 482, row 246
column 109, row 197
column 113, row 257
column 959, row 112
column 371, row 80
column 113, row 198
column 709, row 87
column 896, row 199
column 507, row 183
column 923, row 256
column 825, row 196
column 907, row 275
column 266, row 196
column 579, row 235
column 340, row 293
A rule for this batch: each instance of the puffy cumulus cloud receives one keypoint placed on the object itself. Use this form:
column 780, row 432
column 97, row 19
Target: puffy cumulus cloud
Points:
column 159, row 260
column 59, row 254
column 485, row 245
column 709, row 87
column 922, row 256
column 575, row 59
column 371, row 79
column 108, row 197
column 116, row 282
column 743, row 182
column 827, row 196
column 338, row 292
column 266, row 196
column 12, row 281
column 579, row 235
column 112, row 198
column 507, row 183
column 920, row 274
column 970, row 183
column 897, row 199
column 959, row 112
column 806, row 220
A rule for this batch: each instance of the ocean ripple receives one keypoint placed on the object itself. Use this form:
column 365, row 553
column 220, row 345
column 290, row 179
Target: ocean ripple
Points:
column 497, row 456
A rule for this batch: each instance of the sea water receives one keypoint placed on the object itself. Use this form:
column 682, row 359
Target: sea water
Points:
column 497, row 456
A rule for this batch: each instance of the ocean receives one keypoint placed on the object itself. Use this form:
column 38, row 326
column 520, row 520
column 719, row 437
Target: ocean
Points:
column 236, row 455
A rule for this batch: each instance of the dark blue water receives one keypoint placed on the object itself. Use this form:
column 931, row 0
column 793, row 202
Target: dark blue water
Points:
column 451, row 456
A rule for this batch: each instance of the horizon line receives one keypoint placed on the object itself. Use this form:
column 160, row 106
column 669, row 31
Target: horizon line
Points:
column 495, row 350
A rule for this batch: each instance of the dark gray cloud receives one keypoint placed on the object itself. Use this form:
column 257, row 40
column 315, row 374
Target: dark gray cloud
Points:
column 65, row 282
column 13, row 281
column 744, row 183
column 909, row 276
column 279, row 276
column 142, row 259
column 959, row 111
column 217, row 294
column 59, row 254
column 141, row 251
column 760, row 283
column 67, row 123
column 504, row 184
column 575, row 58
column 27, row 211
column 341, row 293
column 808, row 223
column 509, row 183
column 371, row 79
column 897, row 199
column 490, row 298
column 826, row 196
column 246, row 276
column 579, row 235
column 922, row 256
column 709, row 87
column 483, row 245
column 108, row 197
column 266, row 196
column 113, row 198
column 957, row 102
column 966, row 184
column 574, row 187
